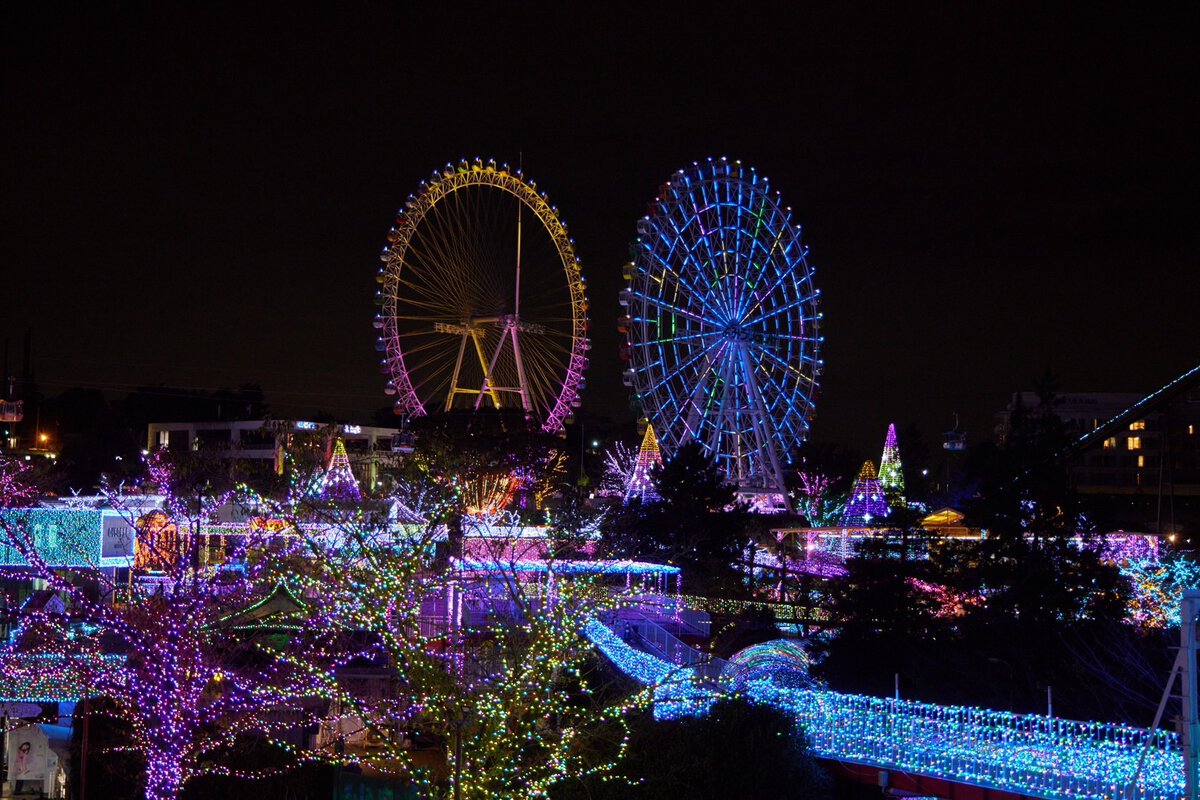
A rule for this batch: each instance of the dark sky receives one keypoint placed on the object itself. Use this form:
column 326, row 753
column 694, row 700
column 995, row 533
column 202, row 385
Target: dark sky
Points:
column 200, row 200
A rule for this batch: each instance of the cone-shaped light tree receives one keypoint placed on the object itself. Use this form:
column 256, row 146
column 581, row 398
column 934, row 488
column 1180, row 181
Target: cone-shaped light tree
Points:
column 891, row 471
column 640, row 482
column 867, row 503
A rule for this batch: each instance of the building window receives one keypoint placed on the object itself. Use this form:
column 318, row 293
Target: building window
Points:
column 1141, row 461
column 1191, row 430
column 1111, row 443
column 1134, row 443
column 1140, row 425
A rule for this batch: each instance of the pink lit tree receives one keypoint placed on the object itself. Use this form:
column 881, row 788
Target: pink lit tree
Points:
column 177, row 651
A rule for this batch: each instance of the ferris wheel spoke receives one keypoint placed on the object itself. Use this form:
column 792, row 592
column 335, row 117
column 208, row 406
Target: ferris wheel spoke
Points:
column 702, row 352
column 677, row 339
column 782, row 275
column 674, row 309
column 780, row 336
column 783, row 309
column 681, row 244
column 707, row 260
column 693, row 424
column 789, row 368
column 676, row 280
column 760, row 258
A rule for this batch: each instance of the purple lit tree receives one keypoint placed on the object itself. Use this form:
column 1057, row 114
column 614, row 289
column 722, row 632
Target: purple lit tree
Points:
column 867, row 503
column 337, row 483
column 816, row 501
column 187, row 675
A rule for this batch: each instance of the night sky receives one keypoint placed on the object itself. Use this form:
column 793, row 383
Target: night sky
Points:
column 200, row 200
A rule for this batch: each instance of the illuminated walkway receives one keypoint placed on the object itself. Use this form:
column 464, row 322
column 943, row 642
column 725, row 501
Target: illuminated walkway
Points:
column 1022, row 754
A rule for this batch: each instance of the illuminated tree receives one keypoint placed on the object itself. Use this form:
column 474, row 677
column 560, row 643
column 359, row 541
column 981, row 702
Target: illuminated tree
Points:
column 641, row 483
column 337, row 483
column 619, row 463
column 816, row 497
column 891, row 472
column 698, row 524
column 484, row 643
column 1158, row 584
column 867, row 503
column 191, row 684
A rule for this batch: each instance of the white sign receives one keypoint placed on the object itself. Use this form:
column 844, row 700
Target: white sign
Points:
column 28, row 754
column 117, row 537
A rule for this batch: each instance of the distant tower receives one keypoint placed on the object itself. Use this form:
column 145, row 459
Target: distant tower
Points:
column 338, row 483
column 891, row 472
column 866, row 503
column 640, row 484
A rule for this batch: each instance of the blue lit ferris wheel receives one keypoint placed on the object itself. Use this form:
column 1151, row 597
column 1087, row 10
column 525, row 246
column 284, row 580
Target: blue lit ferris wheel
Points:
column 722, row 323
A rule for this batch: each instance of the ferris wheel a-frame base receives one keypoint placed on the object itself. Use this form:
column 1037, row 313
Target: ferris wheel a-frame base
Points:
column 472, row 331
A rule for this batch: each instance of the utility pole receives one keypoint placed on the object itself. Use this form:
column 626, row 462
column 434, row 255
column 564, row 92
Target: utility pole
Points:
column 1190, row 726
column 1185, row 669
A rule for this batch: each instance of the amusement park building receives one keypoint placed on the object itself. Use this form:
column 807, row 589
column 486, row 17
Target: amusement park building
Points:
column 1142, row 459
column 368, row 447
column 1164, row 443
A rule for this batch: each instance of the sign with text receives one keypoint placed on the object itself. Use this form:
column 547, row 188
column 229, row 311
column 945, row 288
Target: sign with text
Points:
column 116, row 539
column 66, row 537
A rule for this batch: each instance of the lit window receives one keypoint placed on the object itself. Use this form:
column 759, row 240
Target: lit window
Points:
column 1140, row 425
column 1109, row 444
column 1191, row 430
column 1141, row 461
column 1134, row 443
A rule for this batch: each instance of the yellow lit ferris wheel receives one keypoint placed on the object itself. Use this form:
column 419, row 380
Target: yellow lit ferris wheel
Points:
column 482, row 299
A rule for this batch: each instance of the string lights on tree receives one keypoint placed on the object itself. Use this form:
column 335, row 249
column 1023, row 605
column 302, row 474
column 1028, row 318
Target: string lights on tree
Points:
column 891, row 471
column 186, row 687
column 338, row 483
column 867, row 503
column 640, row 483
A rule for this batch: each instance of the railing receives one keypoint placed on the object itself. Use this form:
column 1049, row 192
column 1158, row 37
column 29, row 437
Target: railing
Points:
column 667, row 611
column 1024, row 754
column 632, row 624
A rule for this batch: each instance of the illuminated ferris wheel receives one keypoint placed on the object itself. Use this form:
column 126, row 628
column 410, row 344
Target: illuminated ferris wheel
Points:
column 482, row 299
column 722, row 323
